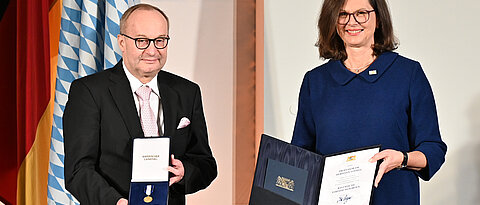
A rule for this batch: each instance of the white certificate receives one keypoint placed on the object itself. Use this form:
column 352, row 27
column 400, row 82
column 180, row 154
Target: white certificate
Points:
column 150, row 159
column 348, row 178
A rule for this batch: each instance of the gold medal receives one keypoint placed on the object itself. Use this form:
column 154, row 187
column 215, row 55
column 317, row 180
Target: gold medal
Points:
column 148, row 199
column 148, row 191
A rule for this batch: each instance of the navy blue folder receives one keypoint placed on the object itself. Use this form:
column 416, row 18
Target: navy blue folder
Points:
column 287, row 174
column 307, row 164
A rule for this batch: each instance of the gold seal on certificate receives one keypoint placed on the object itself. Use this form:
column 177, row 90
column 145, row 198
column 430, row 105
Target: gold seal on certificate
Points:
column 148, row 192
column 348, row 177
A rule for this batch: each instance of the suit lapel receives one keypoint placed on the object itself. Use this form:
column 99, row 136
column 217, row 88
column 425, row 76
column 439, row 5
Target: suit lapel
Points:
column 170, row 104
column 122, row 96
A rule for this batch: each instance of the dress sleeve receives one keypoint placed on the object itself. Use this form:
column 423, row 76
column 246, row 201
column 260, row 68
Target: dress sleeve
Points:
column 304, row 130
column 423, row 129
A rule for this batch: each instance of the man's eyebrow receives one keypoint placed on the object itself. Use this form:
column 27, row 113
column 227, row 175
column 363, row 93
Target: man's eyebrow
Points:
column 144, row 36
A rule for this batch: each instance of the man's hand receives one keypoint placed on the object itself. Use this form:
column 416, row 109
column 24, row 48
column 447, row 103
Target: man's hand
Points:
column 122, row 201
column 177, row 170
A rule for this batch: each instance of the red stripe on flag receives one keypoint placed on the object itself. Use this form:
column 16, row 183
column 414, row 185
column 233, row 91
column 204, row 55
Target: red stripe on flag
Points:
column 33, row 71
column 33, row 91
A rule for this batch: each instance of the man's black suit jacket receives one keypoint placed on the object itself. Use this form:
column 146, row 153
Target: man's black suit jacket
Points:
column 100, row 122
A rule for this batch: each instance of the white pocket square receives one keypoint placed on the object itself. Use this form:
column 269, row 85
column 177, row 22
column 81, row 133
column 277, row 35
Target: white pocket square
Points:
column 184, row 122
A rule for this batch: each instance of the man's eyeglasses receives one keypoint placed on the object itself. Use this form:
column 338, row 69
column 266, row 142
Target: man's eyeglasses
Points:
column 143, row 43
column 360, row 17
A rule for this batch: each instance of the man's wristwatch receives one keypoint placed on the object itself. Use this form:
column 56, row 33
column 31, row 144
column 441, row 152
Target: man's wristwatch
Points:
column 405, row 160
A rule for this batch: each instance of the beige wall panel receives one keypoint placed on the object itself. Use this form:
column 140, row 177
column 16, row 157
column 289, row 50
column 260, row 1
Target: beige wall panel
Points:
column 202, row 50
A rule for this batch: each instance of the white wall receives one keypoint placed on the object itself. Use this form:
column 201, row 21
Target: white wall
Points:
column 290, row 36
column 201, row 49
column 441, row 35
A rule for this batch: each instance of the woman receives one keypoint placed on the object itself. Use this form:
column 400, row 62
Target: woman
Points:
column 367, row 95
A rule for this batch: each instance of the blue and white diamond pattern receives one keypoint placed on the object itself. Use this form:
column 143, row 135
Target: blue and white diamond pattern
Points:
column 88, row 44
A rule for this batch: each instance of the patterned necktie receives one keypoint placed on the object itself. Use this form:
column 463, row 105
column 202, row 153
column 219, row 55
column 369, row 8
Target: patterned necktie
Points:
column 147, row 118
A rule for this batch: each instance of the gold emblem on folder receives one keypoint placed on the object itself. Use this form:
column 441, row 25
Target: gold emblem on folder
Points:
column 285, row 183
column 351, row 158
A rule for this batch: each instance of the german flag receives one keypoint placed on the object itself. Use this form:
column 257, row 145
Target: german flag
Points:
column 29, row 35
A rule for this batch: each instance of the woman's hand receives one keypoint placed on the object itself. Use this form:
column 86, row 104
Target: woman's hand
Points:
column 393, row 159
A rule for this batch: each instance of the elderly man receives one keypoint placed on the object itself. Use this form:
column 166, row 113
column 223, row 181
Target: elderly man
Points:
column 107, row 110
